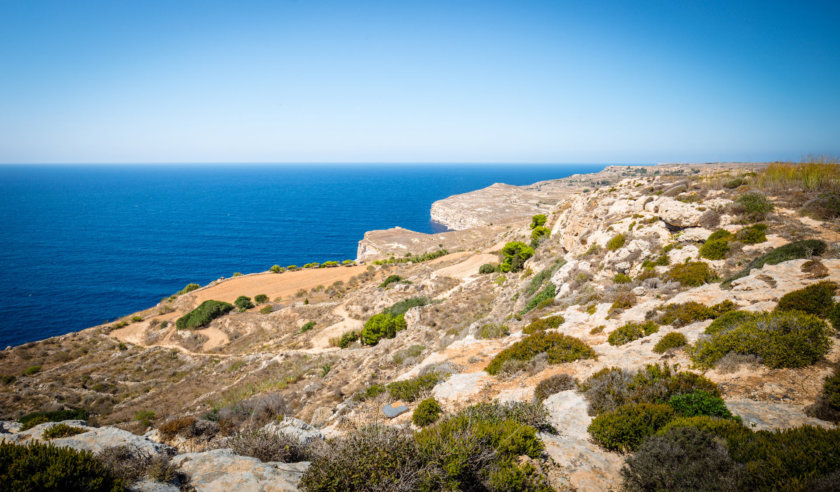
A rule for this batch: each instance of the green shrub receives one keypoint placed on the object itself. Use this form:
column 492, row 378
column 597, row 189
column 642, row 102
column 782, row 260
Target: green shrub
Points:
column 622, row 278
column 715, row 249
column 753, row 234
column 145, row 417
column 347, row 262
column 292, row 268
column 834, row 316
column 632, row 331
column 401, row 307
column 670, row 341
column 260, row 298
column 719, row 234
column 538, row 220
column 734, row 183
column 791, row 251
column 266, row 309
column 617, row 242
column 539, row 279
column 307, row 326
column 538, row 234
column 691, row 273
column 348, row 338
column 189, row 288
column 329, row 264
column 7, row 379
column 729, row 320
column 487, row 268
column 626, row 427
column 780, row 339
column 752, row 206
column 201, row 316
column 492, row 330
column 427, row 412
column 825, row 206
column 243, row 303
column 411, row 389
column 46, row 467
column 552, row 385
column 62, row 430
column 381, row 326
column 408, row 353
column 679, row 315
column 136, row 319
column 699, row 403
column 559, row 348
column 816, row 299
column 547, row 294
column 370, row 392
column 32, row 370
column 827, row 406
column 390, row 280
column 515, row 254
column 542, row 324
column 32, row 419
column 277, row 269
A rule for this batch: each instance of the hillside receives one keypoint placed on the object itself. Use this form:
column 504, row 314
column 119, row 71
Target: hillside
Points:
column 647, row 316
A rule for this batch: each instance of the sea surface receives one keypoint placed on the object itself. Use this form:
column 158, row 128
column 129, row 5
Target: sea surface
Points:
column 80, row 245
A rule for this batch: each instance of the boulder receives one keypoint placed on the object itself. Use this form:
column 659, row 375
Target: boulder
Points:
column 294, row 428
column 221, row 470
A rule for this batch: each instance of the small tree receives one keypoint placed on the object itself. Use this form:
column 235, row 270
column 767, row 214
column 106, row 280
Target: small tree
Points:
column 243, row 303
column 538, row 221
column 516, row 253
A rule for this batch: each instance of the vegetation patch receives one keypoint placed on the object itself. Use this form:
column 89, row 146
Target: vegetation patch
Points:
column 542, row 324
column 547, row 294
column 487, row 268
column 412, row 389
column 539, row 279
column 39, row 466
column 692, row 273
column 62, row 430
column 622, row 278
column 427, row 412
column 753, row 234
column 699, row 403
column 827, row 406
column 552, row 385
column 201, row 316
column 624, row 428
column 380, row 326
column 716, row 246
column 632, row 331
column 816, row 299
column 617, row 242
column 752, row 206
column 348, row 338
column 390, row 280
column 32, row 419
column 679, row 315
column 492, row 330
column 780, row 339
column 401, row 307
column 307, row 326
column 792, row 251
column 670, row 341
column 559, row 349
column 515, row 253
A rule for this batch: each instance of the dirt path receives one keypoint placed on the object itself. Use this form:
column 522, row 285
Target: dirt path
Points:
column 466, row 268
column 322, row 339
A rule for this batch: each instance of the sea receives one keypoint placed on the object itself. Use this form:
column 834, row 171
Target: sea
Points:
column 84, row 244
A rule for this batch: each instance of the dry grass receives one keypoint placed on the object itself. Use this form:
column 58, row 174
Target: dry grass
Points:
column 820, row 174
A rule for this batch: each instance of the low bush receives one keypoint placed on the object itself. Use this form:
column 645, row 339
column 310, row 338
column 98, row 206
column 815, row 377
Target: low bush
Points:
column 729, row 320
column 632, row 331
column 780, row 339
column 307, row 326
column 791, row 251
column 734, row 183
column 32, row 370
column 39, row 466
column 552, row 385
column 515, row 253
column 612, row 387
column 266, row 309
column 827, row 406
column 176, row 426
column 412, row 389
column 260, row 298
column 699, row 403
column 816, row 299
column 752, row 206
column 547, row 294
column 348, row 338
column 715, row 249
column 492, row 330
column 627, row 426
column 753, row 234
column 679, row 315
column 401, row 307
column 542, row 324
column 62, row 430
column 622, row 278
column 32, row 419
column 189, row 288
column 390, row 280
column 623, row 300
column 538, row 234
column 559, row 348
column 277, row 269
column 691, row 273
column 145, row 417
column 617, row 242
column 825, row 206
column 267, row 447
column 427, row 412
column 381, row 326
column 487, row 268
column 670, row 341
column 131, row 464
column 408, row 353
column 538, row 220
column 243, row 303
column 201, row 316
column 371, row 391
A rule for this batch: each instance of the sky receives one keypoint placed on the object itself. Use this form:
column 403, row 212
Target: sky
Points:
column 148, row 81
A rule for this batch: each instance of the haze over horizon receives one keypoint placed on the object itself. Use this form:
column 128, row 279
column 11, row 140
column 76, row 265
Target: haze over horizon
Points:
column 430, row 82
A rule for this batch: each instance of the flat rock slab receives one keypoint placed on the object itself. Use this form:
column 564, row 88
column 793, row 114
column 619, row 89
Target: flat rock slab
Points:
column 94, row 439
column 762, row 415
column 392, row 410
column 461, row 386
column 223, row 471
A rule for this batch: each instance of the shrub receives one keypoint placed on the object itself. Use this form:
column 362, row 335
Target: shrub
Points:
column 260, row 298
column 189, row 288
column 559, row 348
column 539, row 233
column 699, row 403
column 401, row 307
column 46, row 467
column 734, row 183
column 533, row 414
column 816, row 299
column 32, row 419
column 728, row 320
column 381, row 326
column 623, row 300
column 487, row 268
column 715, row 249
column 547, row 294
column 753, row 234
column 329, row 264
column 370, row 392
column 609, row 388
column 752, row 206
column 622, row 278
column 791, row 251
column 32, row 370
column 266, row 309
column 552, row 385
column 427, row 412
column 276, row 269
column 825, row 206
column 7, row 379
column 626, row 427
column 136, row 319
column 781, row 339
column 691, row 273
column 686, row 313
column 267, row 447
column 684, row 458
column 670, row 341
column 616, row 242
column 173, row 427
column 201, row 316
column 538, row 220
column 348, row 338
column 62, row 430
column 515, row 254
column 307, row 326
column 292, row 268
column 410, row 352
column 411, row 389
column 243, row 303
column 132, row 464
column 632, row 331
column 492, row 330
column 542, row 324
column 827, row 406
column 390, row 280
column 145, row 417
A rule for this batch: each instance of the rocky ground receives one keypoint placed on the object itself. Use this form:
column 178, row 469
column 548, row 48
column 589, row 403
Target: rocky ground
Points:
column 265, row 363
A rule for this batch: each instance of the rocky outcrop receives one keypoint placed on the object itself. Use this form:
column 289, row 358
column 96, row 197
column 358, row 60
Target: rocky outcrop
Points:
column 94, row 439
column 221, row 470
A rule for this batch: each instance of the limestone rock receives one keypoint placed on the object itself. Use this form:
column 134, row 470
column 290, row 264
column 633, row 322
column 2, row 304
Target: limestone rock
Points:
column 294, row 428
column 221, row 470
column 94, row 439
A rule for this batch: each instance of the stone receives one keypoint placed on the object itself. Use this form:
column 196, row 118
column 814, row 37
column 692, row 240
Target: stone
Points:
column 320, row 416
column 221, row 470
column 294, row 428
column 94, row 439
column 461, row 386
column 394, row 409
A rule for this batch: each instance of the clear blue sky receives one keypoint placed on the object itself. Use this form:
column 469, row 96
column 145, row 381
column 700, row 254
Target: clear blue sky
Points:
column 398, row 81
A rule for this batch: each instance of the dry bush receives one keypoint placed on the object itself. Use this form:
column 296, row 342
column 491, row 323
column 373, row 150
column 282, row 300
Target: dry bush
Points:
column 267, row 447
column 132, row 464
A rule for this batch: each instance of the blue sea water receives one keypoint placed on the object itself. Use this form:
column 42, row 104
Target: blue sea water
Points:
column 80, row 245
